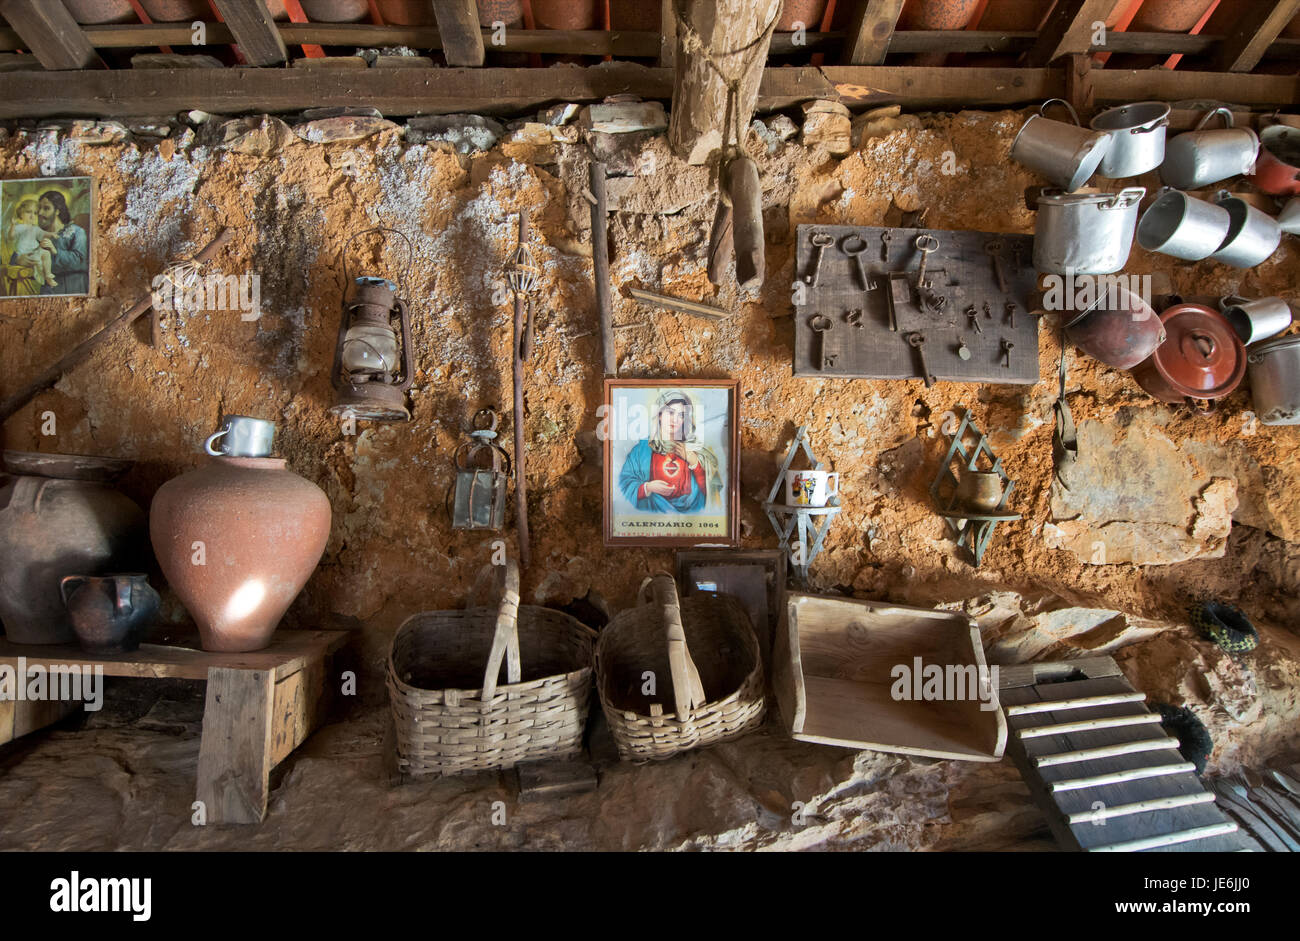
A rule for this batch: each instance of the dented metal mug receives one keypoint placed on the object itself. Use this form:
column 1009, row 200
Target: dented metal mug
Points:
column 1201, row 157
column 245, row 437
column 1066, row 154
column 1183, row 226
column 1253, row 236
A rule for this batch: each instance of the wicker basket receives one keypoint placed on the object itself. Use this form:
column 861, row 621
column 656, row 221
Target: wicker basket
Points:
column 717, row 695
column 446, row 726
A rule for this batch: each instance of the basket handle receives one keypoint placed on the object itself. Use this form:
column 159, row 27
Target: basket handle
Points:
column 505, row 642
column 688, row 691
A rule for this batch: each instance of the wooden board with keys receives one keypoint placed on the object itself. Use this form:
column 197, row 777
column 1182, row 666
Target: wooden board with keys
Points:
column 882, row 303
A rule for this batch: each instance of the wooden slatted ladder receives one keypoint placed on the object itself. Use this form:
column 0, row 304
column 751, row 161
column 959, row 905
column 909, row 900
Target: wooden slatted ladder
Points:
column 1101, row 767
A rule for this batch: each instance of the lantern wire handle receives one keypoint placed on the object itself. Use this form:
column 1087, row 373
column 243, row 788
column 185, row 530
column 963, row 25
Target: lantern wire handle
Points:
column 404, row 284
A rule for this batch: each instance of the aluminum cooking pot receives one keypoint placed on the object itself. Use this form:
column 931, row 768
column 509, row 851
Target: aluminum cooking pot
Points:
column 1202, row 359
column 1182, row 226
column 1253, row 236
column 1277, row 170
column 1066, row 154
column 1137, row 138
column 1085, row 233
column 1200, row 157
column 1275, row 380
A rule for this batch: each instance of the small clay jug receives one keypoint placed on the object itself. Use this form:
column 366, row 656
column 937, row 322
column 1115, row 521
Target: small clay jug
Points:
column 979, row 491
column 110, row 613
column 237, row 539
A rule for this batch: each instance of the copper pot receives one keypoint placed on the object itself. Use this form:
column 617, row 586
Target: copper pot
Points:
column 1201, row 361
column 336, row 11
column 1120, row 329
column 1277, row 169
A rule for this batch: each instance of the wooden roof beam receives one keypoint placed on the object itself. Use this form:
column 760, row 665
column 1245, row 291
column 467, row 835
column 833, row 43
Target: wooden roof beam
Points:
column 1262, row 24
column 871, row 30
column 462, row 40
column 1068, row 30
column 51, row 34
column 254, row 30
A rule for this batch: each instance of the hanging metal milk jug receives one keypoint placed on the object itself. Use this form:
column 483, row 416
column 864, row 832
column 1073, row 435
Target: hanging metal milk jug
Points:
column 478, row 496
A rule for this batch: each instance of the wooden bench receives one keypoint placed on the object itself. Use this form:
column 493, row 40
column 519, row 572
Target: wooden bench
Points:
column 260, row 706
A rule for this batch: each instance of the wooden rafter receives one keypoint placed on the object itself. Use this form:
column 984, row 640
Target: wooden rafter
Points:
column 871, row 31
column 49, row 32
column 1262, row 24
column 667, row 34
column 254, row 30
column 462, row 39
column 1068, row 30
column 398, row 92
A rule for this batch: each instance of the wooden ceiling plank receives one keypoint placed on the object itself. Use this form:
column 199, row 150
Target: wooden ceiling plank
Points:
column 1068, row 30
column 255, row 31
column 462, row 39
column 1262, row 24
column 871, row 30
column 50, row 33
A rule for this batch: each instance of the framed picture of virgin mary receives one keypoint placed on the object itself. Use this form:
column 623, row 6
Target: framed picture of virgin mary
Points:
column 672, row 462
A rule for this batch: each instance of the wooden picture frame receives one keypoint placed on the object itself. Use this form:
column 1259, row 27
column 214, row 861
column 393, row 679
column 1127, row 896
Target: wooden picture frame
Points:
column 687, row 504
column 744, row 574
column 60, row 210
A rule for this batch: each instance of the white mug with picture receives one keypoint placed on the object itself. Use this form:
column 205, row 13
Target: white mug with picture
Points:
column 810, row 487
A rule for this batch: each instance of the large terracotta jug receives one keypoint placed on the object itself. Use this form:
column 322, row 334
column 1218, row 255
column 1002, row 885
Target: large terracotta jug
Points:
column 237, row 539
column 51, row 527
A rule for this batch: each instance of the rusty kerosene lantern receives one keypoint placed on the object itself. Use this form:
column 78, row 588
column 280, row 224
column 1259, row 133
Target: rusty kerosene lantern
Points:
column 372, row 368
column 478, row 496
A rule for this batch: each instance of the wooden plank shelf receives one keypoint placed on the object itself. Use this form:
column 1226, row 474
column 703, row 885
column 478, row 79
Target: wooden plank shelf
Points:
column 260, row 706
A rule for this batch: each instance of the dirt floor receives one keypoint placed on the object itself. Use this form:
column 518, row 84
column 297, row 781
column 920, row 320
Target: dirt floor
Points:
column 293, row 204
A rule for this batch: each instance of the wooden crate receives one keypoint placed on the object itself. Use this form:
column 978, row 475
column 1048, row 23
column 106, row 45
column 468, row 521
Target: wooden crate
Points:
column 260, row 706
column 837, row 672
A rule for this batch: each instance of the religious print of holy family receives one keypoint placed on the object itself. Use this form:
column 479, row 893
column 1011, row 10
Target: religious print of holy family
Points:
column 45, row 232
column 671, row 462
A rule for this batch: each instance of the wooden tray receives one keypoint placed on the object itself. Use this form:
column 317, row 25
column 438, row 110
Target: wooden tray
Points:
column 834, row 673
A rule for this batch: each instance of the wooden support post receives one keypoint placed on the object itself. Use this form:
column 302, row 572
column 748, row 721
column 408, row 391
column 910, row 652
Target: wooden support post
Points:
column 721, row 49
column 600, row 265
column 255, row 31
column 235, row 751
column 667, row 34
column 1069, row 29
column 1262, row 23
column 49, row 31
column 1078, row 84
column 871, row 30
column 462, row 40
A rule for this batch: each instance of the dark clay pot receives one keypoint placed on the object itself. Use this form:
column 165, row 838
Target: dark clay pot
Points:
column 110, row 613
column 51, row 528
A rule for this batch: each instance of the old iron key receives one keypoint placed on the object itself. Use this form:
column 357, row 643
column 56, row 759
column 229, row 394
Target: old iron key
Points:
column 917, row 342
column 993, row 248
column 856, row 255
column 925, row 244
column 885, row 239
column 1011, row 313
column 820, row 242
column 819, row 324
column 1007, row 347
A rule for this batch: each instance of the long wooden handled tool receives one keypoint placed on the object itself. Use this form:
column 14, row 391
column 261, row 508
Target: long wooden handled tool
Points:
column 95, row 340
column 600, row 265
column 521, row 485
